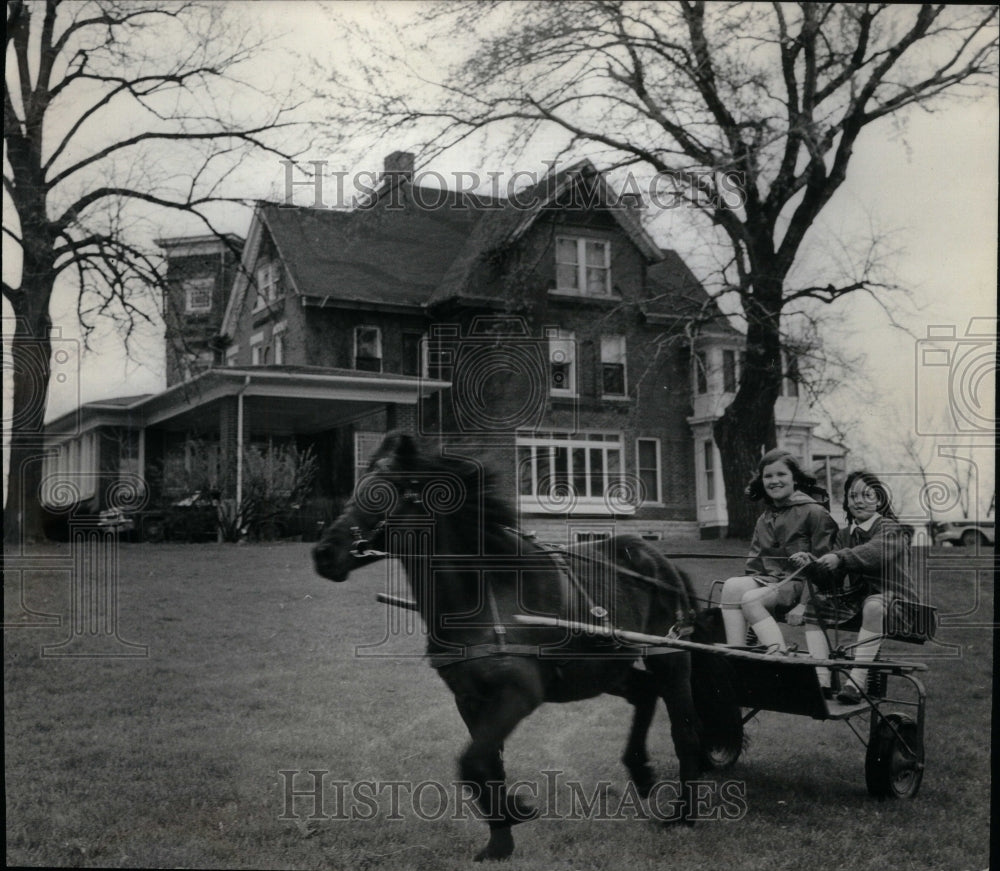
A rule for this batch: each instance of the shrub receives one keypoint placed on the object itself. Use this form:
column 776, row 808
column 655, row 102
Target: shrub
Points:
column 276, row 481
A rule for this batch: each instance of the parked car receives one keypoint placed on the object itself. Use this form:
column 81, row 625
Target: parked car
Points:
column 968, row 533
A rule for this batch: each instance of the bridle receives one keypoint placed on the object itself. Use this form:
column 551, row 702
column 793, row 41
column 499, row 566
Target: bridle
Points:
column 365, row 544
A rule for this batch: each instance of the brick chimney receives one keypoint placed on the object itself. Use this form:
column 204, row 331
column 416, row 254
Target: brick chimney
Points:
column 398, row 166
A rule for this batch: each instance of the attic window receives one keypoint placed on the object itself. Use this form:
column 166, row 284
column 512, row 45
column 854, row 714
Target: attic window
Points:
column 583, row 266
column 268, row 284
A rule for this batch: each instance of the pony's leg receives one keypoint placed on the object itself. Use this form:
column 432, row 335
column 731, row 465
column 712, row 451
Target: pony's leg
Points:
column 641, row 692
column 490, row 719
column 674, row 673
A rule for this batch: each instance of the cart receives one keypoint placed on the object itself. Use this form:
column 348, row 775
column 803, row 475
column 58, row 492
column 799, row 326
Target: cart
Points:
column 788, row 683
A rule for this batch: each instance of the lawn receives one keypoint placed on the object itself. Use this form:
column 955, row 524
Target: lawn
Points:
column 254, row 666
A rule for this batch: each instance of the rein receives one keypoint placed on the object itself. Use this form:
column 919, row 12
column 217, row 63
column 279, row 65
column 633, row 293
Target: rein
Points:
column 562, row 551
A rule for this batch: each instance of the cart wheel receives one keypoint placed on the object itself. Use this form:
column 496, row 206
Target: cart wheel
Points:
column 971, row 538
column 894, row 765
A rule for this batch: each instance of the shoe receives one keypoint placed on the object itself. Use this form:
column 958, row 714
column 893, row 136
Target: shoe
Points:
column 849, row 694
column 828, row 693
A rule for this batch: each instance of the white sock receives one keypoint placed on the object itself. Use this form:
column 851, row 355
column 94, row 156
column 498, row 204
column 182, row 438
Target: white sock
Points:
column 736, row 625
column 819, row 649
column 769, row 634
column 867, row 649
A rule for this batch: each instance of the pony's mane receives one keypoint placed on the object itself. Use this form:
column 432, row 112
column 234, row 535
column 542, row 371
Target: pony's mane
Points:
column 479, row 483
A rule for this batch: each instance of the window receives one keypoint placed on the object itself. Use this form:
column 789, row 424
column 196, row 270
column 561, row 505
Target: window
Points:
column 368, row 349
column 613, row 365
column 576, row 471
column 279, row 342
column 232, row 352
column 730, row 376
column 365, row 445
column 700, row 365
column 198, row 295
column 709, row 470
column 790, row 383
column 431, row 357
column 267, row 283
column 562, row 363
column 648, row 466
column 583, row 266
column 411, row 363
column 257, row 349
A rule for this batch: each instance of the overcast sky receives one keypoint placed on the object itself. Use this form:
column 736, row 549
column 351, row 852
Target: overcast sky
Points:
column 930, row 187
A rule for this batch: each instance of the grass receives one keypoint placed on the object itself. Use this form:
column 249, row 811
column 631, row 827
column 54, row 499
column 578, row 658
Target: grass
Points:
column 173, row 759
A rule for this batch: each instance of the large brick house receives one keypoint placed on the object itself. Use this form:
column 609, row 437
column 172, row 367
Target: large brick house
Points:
column 547, row 335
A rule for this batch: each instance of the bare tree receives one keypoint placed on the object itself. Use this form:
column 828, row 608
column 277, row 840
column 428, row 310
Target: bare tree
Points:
column 749, row 112
column 112, row 111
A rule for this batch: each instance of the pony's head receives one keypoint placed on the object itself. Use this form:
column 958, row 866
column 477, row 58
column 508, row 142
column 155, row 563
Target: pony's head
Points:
column 404, row 481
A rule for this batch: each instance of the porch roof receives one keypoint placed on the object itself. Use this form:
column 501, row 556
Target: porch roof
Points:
column 279, row 400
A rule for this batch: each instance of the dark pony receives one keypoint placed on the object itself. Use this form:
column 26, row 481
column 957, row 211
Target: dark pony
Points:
column 470, row 572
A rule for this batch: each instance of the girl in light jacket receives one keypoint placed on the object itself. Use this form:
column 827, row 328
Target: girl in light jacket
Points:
column 793, row 530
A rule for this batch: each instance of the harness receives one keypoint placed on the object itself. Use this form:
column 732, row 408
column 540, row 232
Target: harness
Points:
column 366, row 546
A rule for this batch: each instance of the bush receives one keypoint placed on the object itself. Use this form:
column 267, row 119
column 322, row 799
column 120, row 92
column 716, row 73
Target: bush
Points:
column 276, row 481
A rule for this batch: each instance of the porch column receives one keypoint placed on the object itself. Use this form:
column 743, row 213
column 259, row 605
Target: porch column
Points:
column 228, row 445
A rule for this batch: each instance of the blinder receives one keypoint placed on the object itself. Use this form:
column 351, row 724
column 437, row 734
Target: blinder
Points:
column 364, row 543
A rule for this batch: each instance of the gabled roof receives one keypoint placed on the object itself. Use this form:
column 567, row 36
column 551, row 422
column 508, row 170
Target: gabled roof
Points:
column 674, row 295
column 392, row 253
column 415, row 248
column 502, row 227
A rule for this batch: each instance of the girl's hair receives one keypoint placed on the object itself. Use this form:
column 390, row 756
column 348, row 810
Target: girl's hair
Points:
column 801, row 479
column 883, row 501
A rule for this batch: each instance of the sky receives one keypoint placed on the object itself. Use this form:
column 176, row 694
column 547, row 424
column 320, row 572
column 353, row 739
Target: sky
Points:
column 930, row 188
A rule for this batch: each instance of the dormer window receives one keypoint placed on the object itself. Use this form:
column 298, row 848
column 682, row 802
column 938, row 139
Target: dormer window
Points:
column 198, row 295
column 268, row 284
column 583, row 266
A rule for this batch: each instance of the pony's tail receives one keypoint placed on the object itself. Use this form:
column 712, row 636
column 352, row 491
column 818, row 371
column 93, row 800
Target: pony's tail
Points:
column 713, row 686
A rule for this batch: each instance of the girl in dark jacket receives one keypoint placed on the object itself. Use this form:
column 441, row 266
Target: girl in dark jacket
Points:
column 873, row 551
column 793, row 530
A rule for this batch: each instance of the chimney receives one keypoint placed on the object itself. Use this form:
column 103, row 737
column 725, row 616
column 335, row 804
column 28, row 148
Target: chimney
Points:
column 398, row 166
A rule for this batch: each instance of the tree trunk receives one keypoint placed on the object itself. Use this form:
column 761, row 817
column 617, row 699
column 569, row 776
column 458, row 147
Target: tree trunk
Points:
column 742, row 439
column 31, row 347
column 746, row 430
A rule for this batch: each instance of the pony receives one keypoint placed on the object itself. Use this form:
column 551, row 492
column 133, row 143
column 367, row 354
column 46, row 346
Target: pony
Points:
column 470, row 572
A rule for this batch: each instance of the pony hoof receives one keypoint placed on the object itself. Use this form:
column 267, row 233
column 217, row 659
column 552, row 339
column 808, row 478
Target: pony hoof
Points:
column 499, row 848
